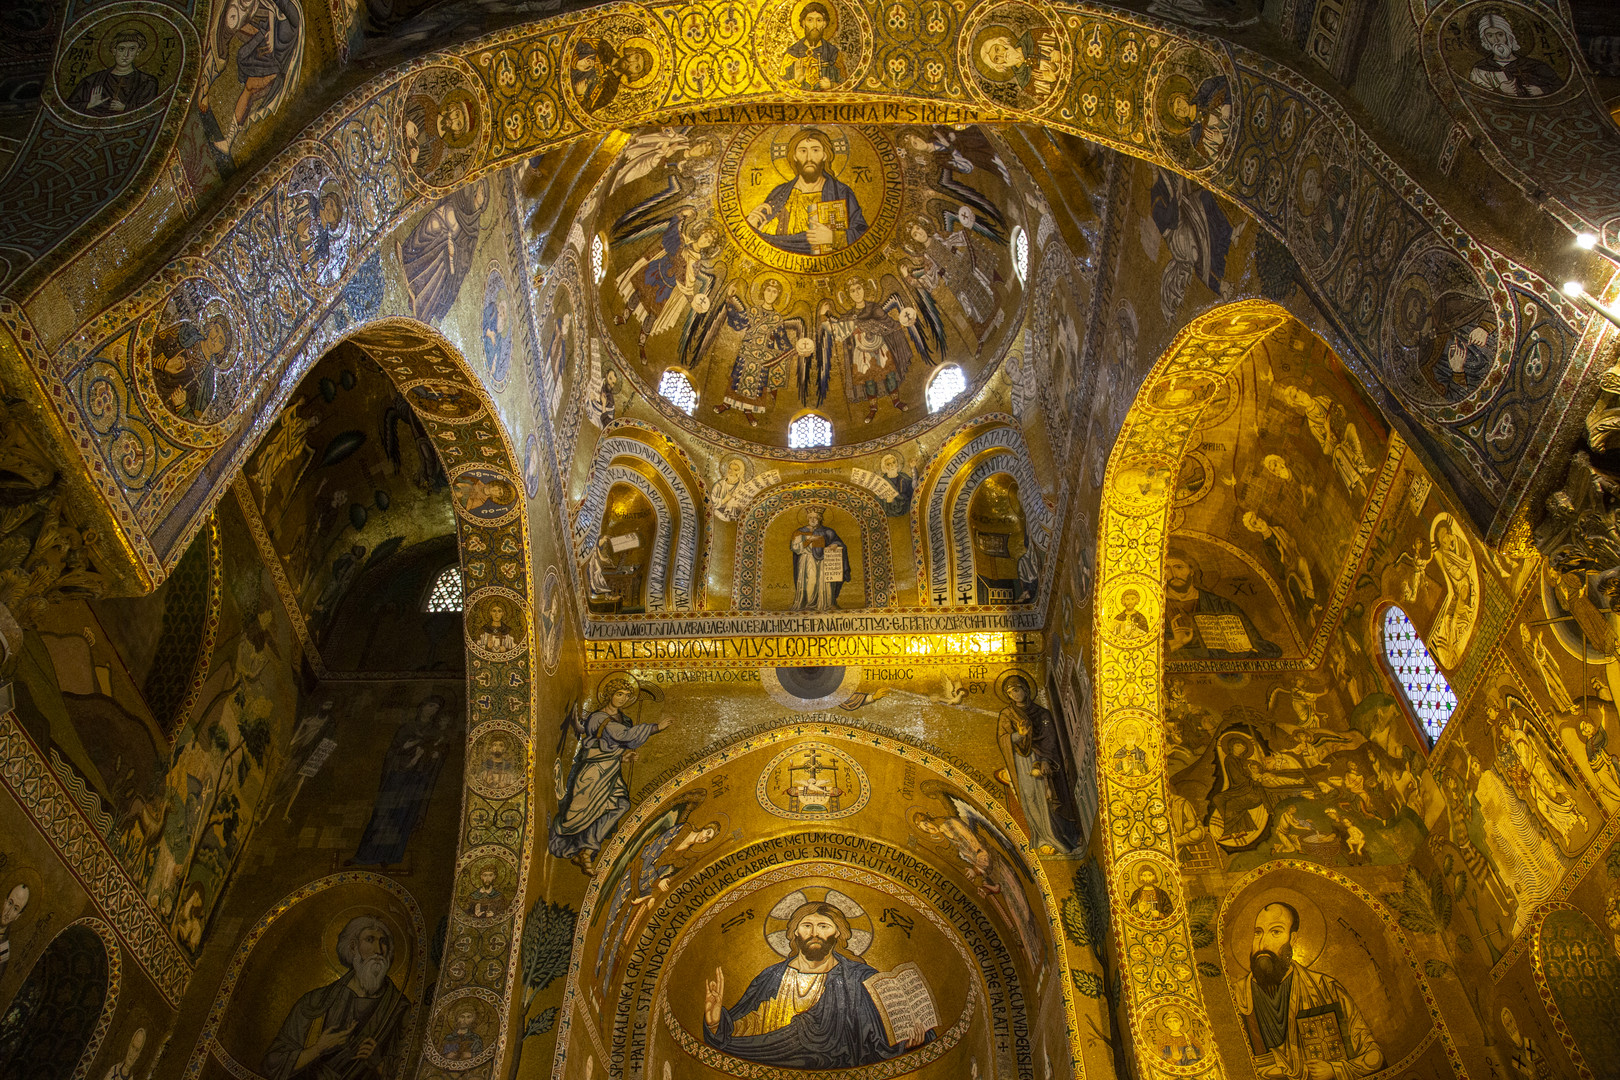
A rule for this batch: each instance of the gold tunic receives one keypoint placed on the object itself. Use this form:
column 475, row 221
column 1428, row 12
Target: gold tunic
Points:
column 800, row 990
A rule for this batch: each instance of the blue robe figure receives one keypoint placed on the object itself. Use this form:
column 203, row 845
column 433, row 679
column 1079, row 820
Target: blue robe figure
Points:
column 596, row 796
column 410, row 771
column 840, row 1029
column 813, row 62
column 784, row 229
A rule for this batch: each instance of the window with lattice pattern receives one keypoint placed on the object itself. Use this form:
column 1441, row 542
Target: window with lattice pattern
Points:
column 809, row 430
column 1425, row 689
column 677, row 389
column 945, row 387
column 446, row 592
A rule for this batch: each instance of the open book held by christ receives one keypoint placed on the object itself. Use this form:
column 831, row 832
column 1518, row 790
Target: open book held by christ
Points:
column 903, row 1001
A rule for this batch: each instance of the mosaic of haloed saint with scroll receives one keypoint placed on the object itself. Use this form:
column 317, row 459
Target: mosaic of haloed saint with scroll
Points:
column 788, row 269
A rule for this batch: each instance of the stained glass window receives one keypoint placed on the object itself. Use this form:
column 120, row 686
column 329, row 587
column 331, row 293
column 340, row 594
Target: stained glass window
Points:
column 946, row 386
column 810, row 430
column 677, row 388
column 1425, row 689
column 446, row 592
column 1020, row 253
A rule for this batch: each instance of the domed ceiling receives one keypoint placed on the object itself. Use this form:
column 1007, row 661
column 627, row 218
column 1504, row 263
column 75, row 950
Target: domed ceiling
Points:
column 791, row 269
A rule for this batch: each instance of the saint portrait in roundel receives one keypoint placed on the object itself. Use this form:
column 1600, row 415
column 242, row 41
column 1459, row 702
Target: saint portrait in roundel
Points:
column 116, row 67
column 444, row 125
column 617, row 66
column 1015, row 56
column 1505, row 51
column 1441, row 331
column 1193, row 107
column 813, row 45
column 197, row 362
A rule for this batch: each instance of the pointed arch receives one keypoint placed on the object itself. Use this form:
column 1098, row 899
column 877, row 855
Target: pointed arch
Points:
column 955, row 475
column 684, row 519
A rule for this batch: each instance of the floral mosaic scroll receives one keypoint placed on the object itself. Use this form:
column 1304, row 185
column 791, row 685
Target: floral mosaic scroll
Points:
column 1156, row 955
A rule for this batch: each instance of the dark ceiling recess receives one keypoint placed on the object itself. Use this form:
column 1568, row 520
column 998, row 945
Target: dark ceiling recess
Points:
column 810, row 683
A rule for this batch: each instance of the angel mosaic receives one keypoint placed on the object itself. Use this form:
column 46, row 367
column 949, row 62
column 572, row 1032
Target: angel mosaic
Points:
column 769, row 342
column 989, row 860
column 873, row 341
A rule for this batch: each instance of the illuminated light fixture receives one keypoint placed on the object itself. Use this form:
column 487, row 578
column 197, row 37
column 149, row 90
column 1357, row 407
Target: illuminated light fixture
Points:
column 1577, row 292
column 1590, row 242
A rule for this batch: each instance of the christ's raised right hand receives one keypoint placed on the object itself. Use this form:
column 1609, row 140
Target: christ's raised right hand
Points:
column 713, row 993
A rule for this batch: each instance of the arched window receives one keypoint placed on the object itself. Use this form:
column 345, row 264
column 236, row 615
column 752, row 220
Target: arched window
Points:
column 1425, row 689
column 677, row 389
column 1020, row 253
column 50, row 1023
column 446, row 592
column 945, row 386
column 811, row 429
column 598, row 259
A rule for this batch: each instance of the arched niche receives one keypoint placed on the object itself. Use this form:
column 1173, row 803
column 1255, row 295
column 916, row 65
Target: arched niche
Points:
column 289, row 963
column 988, row 447
column 711, row 867
column 767, row 562
column 1575, row 960
column 632, row 546
column 1346, row 955
column 1004, row 562
column 624, row 460
column 60, row 1014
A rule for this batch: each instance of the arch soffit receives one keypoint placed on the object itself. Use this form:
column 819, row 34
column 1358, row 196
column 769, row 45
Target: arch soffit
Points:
column 773, row 502
column 951, row 474
column 1133, row 532
column 658, row 573
column 493, row 557
column 360, row 138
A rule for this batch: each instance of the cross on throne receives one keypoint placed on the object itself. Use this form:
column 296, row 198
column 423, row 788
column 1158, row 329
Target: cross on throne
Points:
column 812, row 787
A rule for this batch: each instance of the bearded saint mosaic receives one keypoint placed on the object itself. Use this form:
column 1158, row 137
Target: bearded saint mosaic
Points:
column 789, row 268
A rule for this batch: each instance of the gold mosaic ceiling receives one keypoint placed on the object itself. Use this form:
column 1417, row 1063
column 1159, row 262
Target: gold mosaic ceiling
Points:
column 784, row 270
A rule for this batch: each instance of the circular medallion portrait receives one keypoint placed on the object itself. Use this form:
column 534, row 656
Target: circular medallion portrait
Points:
column 813, row 45
column 1130, row 746
column 1505, row 51
column 1441, row 333
column 485, row 496
column 498, row 762
column 198, row 364
column 486, row 883
column 1146, row 883
column 809, row 199
column 1142, row 483
column 497, row 623
column 1130, row 611
column 119, row 68
column 1192, row 106
column 1015, row 55
column 446, row 125
column 465, row 1030
column 316, row 203
column 617, row 67
column 447, row 401
column 812, row 781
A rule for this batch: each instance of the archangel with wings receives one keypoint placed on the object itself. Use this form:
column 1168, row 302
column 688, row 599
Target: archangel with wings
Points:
column 874, row 343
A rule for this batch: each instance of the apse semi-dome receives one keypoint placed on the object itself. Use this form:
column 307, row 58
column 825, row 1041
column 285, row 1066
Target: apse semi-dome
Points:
column 793, row 270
